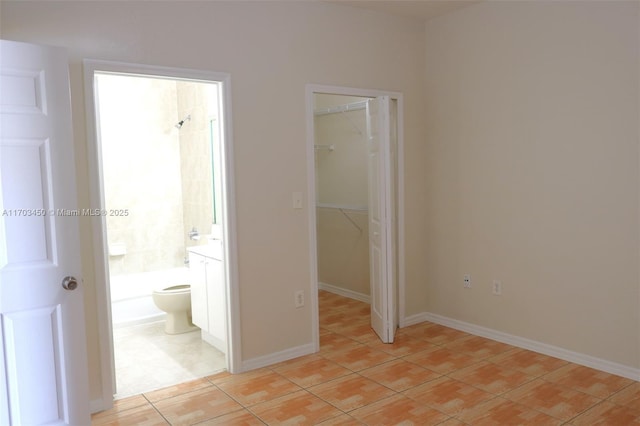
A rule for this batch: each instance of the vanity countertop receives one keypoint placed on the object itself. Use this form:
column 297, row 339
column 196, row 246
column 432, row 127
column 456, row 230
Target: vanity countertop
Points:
column 213, row 251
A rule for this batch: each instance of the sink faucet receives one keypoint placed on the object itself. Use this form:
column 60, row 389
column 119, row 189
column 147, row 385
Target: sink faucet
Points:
column 194, row 234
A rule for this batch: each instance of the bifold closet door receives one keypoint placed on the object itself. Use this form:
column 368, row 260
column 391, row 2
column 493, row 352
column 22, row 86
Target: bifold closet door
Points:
column 381, row 233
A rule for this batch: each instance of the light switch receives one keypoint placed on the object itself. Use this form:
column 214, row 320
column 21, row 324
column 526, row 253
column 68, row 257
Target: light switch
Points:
column 297, row 200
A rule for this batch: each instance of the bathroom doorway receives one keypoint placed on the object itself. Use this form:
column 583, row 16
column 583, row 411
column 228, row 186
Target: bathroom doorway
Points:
column 164, row 240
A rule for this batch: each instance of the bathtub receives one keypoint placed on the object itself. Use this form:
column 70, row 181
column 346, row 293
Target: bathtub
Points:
column 131, row 301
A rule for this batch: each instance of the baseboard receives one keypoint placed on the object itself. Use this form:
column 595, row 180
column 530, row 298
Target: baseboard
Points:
column 344, row 292
column 97, row 405
column 219, row 344
column 274, row 358
column 414, row 319
column 521, row 342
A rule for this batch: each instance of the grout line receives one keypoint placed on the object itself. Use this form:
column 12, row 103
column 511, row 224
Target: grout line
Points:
column 338, row 330
column 156, row 409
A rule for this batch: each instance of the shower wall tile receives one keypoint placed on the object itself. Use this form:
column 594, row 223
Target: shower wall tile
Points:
column 195, row 159
column 141, row 158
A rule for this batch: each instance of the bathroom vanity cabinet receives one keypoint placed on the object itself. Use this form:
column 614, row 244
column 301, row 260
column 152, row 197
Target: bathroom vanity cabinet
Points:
column 208, row 294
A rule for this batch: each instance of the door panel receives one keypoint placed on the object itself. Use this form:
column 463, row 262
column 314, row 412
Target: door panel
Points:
column 380, row 232
column 43, row 376
column 29, row 235
column 31, row 379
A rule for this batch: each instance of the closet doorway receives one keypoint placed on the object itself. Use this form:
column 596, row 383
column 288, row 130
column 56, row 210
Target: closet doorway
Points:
column 354, row 146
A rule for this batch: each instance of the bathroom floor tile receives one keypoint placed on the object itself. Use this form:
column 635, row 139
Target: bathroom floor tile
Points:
column 399, row 375
column 588, row 380
column 531, row 363
column 168, row 359
column 295, row 409
column 351, row 392
column 442, row 360
column 448, row 395
column 398, row 409
column 555, row 400
column 250, row 389
column 491, row 378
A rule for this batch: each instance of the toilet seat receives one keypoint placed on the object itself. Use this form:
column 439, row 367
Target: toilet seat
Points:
column 180, row 288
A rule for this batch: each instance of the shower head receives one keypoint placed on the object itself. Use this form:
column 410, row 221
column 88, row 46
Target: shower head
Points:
column 181, row 122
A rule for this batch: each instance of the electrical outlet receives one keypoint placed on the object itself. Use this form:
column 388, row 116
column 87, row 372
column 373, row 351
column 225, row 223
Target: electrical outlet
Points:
column 299, row 299
column 467, row 281
column 497, row 287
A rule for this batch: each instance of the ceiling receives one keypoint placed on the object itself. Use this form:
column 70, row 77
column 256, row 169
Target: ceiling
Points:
column 424, row 10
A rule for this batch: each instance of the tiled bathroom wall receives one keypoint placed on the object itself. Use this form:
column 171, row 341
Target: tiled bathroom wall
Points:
column 197, row 100
column 142, row 180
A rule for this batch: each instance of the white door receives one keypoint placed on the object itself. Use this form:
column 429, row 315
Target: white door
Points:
column 381, row 235
column 43, row 364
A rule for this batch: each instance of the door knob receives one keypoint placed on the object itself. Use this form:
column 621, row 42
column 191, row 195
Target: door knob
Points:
column 69, row 283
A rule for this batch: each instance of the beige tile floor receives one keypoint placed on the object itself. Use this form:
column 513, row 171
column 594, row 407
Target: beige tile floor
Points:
column 147, row 358
column 430, row 375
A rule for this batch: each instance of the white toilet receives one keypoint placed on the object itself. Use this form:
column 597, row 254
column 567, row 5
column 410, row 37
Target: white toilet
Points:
column 176, row 302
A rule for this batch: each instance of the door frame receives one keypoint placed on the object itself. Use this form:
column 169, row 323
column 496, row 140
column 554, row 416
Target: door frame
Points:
column 310, row 91
column 96, row 186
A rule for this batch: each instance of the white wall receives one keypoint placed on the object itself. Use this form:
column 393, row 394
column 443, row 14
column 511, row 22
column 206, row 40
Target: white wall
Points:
column 272, row 50
column 532, row 172
column 342, row 180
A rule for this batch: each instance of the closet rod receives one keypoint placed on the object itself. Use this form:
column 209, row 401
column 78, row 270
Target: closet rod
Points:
column 342, row 209
column 341, row 108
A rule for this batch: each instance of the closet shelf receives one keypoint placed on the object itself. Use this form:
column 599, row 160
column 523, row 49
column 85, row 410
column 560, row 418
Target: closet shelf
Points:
column 341, row 108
